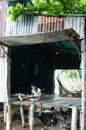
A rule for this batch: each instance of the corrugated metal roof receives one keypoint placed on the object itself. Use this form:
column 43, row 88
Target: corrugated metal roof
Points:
column 24, row 25
column 56, row 23
column 33, row 24
column 29, row 24
column 46, row 24
column 77, row 23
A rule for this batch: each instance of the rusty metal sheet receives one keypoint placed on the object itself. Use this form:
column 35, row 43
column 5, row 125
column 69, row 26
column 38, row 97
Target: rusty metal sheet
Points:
column 46, row 24
column 33, row 24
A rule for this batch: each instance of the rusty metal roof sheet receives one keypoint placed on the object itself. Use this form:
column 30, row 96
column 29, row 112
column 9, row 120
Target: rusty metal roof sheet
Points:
column 34, row 24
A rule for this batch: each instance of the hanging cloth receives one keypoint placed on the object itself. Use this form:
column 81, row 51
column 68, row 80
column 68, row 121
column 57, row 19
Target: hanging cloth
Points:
column 36, row 71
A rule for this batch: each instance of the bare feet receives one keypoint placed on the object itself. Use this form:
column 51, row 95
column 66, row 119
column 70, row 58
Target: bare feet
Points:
column 20, row 97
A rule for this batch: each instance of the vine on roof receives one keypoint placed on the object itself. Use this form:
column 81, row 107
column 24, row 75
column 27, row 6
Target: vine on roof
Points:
column 48, row 7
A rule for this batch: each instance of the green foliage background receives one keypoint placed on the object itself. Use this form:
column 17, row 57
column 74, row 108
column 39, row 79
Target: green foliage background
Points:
column 48, row 7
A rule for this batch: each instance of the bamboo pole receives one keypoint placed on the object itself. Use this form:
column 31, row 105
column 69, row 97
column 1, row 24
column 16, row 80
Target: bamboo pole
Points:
column 31, row 116
column 22, row 115
column 74, row 118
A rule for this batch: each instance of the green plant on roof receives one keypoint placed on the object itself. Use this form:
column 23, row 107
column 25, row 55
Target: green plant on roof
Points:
column 49, row 7
column 18, row 10
column 15, row 11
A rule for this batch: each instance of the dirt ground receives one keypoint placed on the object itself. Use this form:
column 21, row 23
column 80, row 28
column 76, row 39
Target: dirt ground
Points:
column 19, row 127
column 16, row 125
column 16, row 121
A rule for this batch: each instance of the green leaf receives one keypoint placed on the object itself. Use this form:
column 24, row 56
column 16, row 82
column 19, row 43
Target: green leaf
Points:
column 28, row 5
column 14, row 19
column 8, row 15
column 11, row 8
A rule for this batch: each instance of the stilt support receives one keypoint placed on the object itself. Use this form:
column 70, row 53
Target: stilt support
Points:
column 8, row 116
column 22, row 115
column 31, row 116
column 74, row 118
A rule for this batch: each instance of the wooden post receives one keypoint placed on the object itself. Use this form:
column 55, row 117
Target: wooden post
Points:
column 31, row 116
column 40, row 111
column 80, row 118
column 83, row 119
column 8, row 116
column 74, row 118
column 22, row 115
column 8, row 85
column 4, row 107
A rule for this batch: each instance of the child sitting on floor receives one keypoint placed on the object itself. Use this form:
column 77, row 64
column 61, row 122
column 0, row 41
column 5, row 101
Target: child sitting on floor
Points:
column 36, row 93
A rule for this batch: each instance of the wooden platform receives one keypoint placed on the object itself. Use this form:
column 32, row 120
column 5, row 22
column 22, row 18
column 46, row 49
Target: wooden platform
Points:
column 48, row 102
column 54, row 101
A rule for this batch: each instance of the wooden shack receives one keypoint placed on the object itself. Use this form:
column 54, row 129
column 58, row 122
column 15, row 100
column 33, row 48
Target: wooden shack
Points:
column 34, row 58
column 27, row 58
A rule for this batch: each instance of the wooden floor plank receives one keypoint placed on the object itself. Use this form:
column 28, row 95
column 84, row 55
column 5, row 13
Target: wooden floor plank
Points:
column 53, row 101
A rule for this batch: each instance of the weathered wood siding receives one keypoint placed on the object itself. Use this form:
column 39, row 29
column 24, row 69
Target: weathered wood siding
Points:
column 3, row 9
column 83, row 118
column 3, row 79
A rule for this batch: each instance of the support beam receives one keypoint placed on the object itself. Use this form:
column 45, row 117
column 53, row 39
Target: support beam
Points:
column 74, row 118
column 22, row 115
column 4, row 108
column 46, row 37
column 83, row 119
column 40, row 111
column 8, row 103
column 31, row 116
column 8, row 116
column 80, row 118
